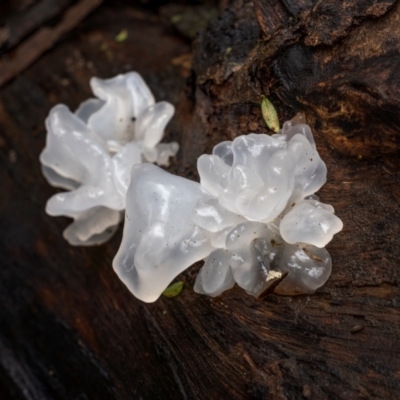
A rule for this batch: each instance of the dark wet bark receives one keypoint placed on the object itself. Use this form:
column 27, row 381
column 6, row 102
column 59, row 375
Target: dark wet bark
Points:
column 17, row 26
column 69, row 329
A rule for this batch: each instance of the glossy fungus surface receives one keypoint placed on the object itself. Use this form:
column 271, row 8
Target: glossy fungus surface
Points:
column 253, row 218
column 90, row 153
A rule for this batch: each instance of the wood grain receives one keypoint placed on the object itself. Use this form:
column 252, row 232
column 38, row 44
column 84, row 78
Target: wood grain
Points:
column 19, row 25
column 42, row 40
column 71, row 330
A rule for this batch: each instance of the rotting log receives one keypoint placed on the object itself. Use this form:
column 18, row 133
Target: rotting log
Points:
column 18, row 26
column 42, row 40
column 69, row 329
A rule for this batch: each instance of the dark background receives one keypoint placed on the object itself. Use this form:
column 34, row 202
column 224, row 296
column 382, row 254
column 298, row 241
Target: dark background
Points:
column 69, row 329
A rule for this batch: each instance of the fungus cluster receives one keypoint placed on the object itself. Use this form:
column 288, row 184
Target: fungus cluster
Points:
column 90, row 153
column 254, row 218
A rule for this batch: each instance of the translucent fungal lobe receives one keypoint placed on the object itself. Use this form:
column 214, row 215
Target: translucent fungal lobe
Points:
column 253, row 218
column 90, row 153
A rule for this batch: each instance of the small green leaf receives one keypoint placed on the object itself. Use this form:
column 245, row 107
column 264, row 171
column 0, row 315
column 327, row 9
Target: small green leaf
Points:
column 269, row 114
column 176, row 18
column 174, row 290
column 122, row 36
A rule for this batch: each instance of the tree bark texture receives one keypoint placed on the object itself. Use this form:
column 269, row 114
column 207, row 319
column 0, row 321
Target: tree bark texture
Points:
column 69, row 329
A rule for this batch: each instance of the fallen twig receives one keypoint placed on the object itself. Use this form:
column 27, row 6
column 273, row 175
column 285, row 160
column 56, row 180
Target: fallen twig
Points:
column 44, row 39
column 18, row 26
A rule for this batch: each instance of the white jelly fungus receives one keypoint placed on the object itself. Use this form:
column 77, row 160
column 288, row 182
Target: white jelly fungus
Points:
column 90, row 153
column 253, row 217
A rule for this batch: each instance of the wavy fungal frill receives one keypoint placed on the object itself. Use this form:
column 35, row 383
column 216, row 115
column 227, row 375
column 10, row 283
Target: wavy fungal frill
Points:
column 253, row 217
column 90, row 153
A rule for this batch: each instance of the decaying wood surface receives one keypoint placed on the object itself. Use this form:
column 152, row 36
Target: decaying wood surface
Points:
column 42, row 40
column 16, row 27
column 69, row 329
